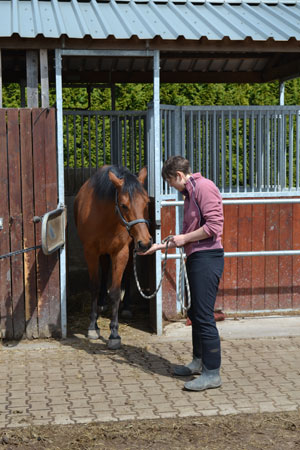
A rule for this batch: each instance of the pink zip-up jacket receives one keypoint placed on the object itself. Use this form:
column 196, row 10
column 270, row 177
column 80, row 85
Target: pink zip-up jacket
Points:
column 202, row 207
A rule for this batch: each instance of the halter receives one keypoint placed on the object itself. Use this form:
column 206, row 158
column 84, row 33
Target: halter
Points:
column 128, row 225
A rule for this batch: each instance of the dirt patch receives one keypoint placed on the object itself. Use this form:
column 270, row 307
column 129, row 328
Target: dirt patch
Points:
column 242, row 432
column 138, row 327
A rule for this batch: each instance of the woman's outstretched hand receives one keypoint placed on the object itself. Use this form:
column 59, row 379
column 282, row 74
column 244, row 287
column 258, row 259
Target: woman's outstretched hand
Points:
column 175, row 241
column 151, row 250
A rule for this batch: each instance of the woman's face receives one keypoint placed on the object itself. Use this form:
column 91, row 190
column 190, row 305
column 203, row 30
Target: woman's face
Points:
column 177, row 182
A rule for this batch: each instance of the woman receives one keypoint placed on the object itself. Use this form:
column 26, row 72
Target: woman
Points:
column 201, row 238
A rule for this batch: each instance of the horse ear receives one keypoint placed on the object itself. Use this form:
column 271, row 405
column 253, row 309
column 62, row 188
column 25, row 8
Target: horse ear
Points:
column 115, row 180
column 142, row 175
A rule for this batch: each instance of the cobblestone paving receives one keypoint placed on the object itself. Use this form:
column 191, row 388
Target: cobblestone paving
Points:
column 80, row 382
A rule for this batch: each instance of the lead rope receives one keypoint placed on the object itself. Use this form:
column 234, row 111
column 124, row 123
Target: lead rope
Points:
column 182, row 271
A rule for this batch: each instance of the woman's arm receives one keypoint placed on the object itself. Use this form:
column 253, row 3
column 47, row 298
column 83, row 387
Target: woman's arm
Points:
column 178, row 240
column 156, row 247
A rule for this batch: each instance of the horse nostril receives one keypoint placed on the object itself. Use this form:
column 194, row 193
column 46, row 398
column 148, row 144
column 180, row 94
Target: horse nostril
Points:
column 142, row 246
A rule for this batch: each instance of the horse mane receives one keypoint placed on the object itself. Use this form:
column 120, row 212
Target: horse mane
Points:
column 105, row 189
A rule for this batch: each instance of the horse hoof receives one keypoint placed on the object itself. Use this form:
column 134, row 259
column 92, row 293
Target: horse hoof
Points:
column 114, row 344
column 94, row 334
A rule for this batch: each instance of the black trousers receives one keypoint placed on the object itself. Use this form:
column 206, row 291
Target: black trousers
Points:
column 204, row 269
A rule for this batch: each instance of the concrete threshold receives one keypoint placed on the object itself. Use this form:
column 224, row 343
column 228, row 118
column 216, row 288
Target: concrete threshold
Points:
column 242, row 328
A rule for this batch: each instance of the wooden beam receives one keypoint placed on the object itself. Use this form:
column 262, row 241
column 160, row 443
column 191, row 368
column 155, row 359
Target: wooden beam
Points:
column 283, row 71
column 166, row 77
column 44, row 77
column 23, row 92
column 180, row 44
column 32, row 78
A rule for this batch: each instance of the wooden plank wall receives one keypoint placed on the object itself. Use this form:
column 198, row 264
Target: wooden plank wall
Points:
column 29, row 282
column 254, row 284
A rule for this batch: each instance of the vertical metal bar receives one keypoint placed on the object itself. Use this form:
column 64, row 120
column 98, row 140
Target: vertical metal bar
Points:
column 169, row 133
column 268, row 159
column 199, row 141
column 230, row 150
column 113, row 96
column 140, row 142
column 207, row 144
column 252, row 153
column 134, row 144
column 119, row 147
column 164, row 137
column 164, row 146
column 223, row 151
column 214, row 148
column 131, row 144
column 275, row 153
column 151, row 146
column 282, row 151
column 112, row 154
column 82, row 152
column 176, row 131
column 297, row 150
column 61, row 186
column 125, row 140
column 146, row 159
column 183, row 132
column 291, row 150
column 196, row 141
column 156, row 102
column 281, row 93
column 237, row 152
column 74, row 140
column 68, row 150
column 89, row 143
column 191, row 140
column 103, row 139
column 259, row 151
column 97, row 142
column 245, row 150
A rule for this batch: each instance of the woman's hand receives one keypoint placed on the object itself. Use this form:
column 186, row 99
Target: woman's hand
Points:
column 151, row 250
column 179, row 240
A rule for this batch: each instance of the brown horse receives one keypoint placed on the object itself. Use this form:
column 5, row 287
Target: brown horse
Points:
column 111, row 209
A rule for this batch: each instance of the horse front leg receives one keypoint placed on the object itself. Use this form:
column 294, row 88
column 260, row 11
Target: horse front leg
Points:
column 92, row 260
column 119, row 262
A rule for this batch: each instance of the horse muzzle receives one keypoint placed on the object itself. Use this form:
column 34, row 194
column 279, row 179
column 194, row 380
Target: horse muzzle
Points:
column 142, row 247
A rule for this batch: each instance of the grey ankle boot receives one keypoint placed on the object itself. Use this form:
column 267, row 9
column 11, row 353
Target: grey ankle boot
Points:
column 192, row 368
column 209, row 379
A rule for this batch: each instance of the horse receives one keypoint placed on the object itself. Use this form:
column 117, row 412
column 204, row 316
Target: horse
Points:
column 111, row 212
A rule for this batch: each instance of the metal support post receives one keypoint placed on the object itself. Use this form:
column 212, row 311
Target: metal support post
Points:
column 281, row 93
column 157, row 163
column 61, row 186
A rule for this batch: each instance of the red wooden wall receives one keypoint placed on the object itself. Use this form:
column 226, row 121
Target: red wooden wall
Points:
column 29, row 282
column 260, row 283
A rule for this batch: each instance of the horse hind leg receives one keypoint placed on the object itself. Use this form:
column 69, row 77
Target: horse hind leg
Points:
column 119, row 262
column 92, row 260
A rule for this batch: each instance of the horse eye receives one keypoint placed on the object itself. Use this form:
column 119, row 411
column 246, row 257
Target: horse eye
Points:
column 124, row 207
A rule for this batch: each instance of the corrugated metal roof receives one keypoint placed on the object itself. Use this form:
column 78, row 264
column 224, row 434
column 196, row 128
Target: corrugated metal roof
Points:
column 123, row 19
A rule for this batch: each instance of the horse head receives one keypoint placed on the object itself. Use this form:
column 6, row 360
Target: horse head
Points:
column 131, row 203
